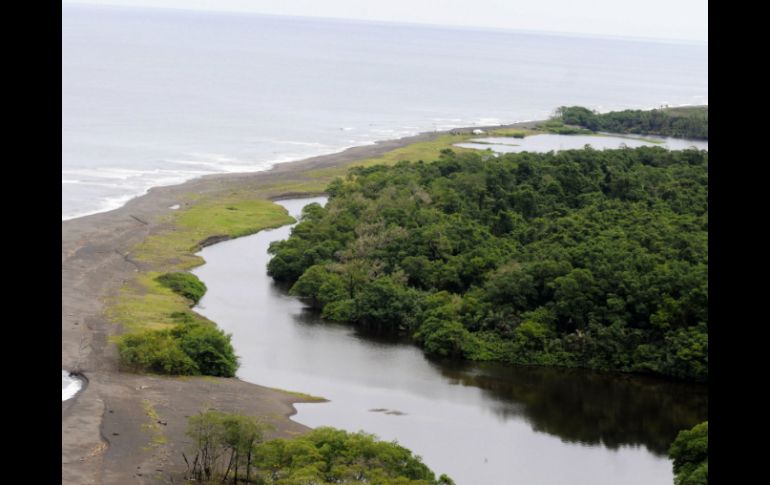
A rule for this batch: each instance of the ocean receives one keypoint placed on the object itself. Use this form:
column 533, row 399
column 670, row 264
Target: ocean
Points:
column 156, row 97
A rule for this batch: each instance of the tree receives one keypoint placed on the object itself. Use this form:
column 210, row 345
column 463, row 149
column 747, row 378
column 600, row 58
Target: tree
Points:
column 689, row 451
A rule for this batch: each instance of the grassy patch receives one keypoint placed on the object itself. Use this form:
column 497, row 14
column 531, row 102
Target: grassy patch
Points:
column 302, row 395
column 145, row 304
column 558, row 127
column 153, row 426
column 422, row 150
column 154, row 301
column 514, row 132
column 175, row 247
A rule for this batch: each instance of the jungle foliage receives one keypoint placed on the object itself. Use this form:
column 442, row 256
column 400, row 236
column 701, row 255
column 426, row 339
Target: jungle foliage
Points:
column 580, row 258
column 690, row 453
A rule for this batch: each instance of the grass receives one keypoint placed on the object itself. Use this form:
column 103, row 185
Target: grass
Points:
column 514, row 132
column 158, row 438
column 422, row 150
column 175, row 247
column 301, row 395
column 144, row 303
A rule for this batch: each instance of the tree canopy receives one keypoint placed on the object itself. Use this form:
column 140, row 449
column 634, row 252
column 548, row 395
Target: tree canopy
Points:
column 690, row 453
column 580, row 258
column 676, row 122
column 230, row 446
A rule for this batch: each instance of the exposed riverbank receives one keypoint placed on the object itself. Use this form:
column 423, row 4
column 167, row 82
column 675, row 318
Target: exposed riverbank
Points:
column 107, row 433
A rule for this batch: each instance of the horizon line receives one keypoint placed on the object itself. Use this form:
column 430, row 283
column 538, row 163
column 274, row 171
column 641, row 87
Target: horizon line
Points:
column 665, row 40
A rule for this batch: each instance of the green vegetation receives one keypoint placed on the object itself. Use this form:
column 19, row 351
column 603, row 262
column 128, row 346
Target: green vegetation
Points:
column 192, row 347
column 690, row 453
column 677, row 122
column 235, row 215
column 152, row 426
column 579, row 258
column 163, row 335
column 186, row 284
column 558, row 127
column 421, row 150
column 230, row 446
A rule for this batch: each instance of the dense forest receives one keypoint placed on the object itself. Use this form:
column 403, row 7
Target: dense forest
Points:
column 690, row 123
column 580, row 258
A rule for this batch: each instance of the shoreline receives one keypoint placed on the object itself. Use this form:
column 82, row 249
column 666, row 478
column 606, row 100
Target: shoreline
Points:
column 405, row 139
column 105, row 434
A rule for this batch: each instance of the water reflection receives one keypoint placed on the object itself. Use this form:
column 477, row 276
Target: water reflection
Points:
column 480, row 423
column 576, row 405
column 588, row 407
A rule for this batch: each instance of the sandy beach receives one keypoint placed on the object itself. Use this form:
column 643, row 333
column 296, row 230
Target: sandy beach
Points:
column 129, row 428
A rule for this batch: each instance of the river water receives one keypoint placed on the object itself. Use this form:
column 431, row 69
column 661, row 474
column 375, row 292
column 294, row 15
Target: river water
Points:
column 479, row 423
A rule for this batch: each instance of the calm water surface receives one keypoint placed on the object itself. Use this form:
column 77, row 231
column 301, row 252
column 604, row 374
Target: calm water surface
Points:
column 546, row 142
column 487, row 424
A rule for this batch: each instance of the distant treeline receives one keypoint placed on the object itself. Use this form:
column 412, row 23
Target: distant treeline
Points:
column 580, row 258
column 690, row 123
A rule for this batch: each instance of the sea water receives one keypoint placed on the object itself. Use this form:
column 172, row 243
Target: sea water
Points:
column 155, row 97
column 69, row 385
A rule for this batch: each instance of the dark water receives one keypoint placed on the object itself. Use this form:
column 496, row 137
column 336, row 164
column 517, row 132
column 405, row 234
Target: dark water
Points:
column 479, row 423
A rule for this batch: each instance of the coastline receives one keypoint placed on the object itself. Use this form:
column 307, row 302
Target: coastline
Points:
column 107, row 429
column 122, row 200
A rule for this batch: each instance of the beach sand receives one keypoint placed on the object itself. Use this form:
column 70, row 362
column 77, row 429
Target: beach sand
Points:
column 128, row 428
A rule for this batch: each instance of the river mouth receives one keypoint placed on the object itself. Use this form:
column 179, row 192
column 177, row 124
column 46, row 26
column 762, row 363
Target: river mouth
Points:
column 478, row 423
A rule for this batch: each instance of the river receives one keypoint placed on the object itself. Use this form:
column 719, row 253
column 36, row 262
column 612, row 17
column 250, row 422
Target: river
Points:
column 479, row 423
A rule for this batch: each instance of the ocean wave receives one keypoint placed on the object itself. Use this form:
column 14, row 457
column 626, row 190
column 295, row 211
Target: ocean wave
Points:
column 69, row 385
column 105, row 205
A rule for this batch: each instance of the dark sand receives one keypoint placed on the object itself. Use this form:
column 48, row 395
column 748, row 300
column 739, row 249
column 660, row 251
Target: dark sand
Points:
column 107, row 434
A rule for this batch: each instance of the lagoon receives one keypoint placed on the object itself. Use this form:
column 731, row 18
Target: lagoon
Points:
column 548, row 142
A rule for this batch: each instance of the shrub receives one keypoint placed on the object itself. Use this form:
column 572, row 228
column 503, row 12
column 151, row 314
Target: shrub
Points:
column 186, row 284
column 155, row 351
column 209, row 347
column 690, row 453
column 186, row 349
column 231, row 445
